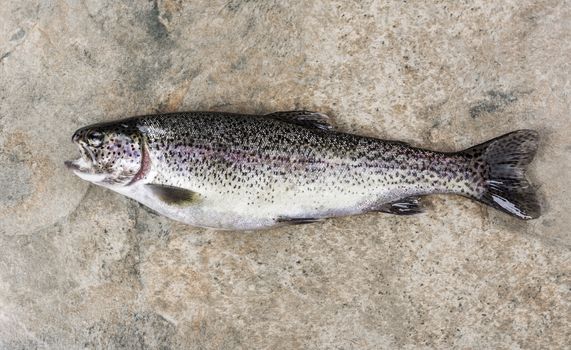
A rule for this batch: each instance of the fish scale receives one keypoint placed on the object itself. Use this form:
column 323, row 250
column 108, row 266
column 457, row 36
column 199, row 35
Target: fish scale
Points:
column 236, row 171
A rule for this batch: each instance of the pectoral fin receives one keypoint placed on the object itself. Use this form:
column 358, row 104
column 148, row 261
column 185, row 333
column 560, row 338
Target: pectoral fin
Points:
column 404, row 206
column 308, row 119
column 173, row 195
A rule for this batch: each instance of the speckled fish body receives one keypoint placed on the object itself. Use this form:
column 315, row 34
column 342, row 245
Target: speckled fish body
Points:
column 233, row 171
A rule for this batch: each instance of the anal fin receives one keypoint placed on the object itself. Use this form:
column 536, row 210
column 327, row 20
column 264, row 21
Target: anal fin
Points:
column 403, row 206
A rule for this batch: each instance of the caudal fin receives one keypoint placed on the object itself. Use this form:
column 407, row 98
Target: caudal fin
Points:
column 502, row 163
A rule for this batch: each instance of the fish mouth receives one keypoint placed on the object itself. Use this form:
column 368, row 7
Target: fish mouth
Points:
column 83, row 164
column 72, row 164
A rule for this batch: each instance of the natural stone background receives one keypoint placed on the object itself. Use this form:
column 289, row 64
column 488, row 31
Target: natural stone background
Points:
column 83, row 267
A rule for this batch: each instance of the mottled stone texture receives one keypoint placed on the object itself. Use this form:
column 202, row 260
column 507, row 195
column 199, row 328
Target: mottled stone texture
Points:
column 82, row 267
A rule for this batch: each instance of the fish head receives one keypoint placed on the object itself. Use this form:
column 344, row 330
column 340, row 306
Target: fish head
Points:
column 111, row 154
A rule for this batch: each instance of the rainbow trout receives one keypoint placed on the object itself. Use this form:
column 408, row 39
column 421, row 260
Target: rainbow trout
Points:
column 235, row 171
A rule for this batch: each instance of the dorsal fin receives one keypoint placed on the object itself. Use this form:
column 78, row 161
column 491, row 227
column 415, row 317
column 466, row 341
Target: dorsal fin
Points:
column 304, row 118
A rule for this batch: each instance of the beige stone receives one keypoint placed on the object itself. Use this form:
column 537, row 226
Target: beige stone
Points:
column 82, row 267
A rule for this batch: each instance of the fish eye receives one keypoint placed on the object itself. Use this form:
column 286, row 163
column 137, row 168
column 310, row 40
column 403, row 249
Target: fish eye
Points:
column 95, row 138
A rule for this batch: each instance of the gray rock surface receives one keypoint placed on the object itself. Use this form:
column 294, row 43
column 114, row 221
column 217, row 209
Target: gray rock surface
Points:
column 82, row 267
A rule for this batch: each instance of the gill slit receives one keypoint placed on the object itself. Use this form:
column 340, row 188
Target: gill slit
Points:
column 145, row 163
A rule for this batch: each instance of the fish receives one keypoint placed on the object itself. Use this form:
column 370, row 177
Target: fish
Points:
column 245, row 172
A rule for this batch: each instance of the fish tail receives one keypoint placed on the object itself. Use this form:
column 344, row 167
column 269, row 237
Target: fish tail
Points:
column 501, row 164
